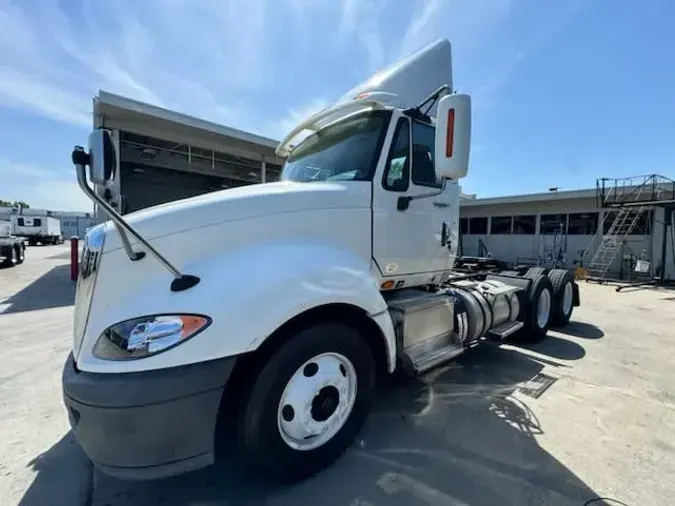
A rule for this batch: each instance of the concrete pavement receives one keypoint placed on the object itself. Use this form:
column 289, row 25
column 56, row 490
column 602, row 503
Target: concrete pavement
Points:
column 585, row 414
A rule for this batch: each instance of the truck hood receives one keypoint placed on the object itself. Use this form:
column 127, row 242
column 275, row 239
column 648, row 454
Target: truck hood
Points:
column 242, row 203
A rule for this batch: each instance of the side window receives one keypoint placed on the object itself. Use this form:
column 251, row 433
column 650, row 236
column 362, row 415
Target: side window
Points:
column 20, row 222
column 397, row 171
column 423, row 172
column 37, row 222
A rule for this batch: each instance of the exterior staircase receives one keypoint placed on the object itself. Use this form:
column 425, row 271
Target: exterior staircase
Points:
column 631, row 199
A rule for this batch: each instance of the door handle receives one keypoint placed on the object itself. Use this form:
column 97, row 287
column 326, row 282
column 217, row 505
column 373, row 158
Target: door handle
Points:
column 441, row 204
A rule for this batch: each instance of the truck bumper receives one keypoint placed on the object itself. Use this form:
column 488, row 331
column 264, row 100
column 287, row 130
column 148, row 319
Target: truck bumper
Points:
column 150, row 424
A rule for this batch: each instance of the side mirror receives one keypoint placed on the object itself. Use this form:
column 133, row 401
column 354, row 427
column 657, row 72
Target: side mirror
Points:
column 101, row 156
column 453, row 136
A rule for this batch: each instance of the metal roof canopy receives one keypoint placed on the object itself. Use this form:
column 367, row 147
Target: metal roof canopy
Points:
column 531, row 197
column 117, row 112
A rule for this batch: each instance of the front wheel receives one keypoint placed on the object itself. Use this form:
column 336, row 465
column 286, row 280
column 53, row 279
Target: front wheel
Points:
column 308, row 403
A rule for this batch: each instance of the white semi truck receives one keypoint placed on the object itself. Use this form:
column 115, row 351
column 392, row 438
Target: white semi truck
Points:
column 264, row 314
column 38, row 229
column 12, row 248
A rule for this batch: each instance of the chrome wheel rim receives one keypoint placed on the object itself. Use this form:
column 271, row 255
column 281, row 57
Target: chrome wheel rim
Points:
column 317, row 401
column 568, row 298
column 543, row 308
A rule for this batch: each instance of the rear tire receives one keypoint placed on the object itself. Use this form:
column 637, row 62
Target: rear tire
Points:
column 533, row 272
column 308, row 402
column 538, row 313
column 563, row 296
column 10, row 257
column 20, row 254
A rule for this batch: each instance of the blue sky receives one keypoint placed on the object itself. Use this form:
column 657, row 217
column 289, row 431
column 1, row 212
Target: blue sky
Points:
column 563, row 91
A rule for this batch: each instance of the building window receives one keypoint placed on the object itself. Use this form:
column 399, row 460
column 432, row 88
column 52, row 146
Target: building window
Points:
column 500, row 224
column 478, row 226
column 583, row 223
column 553, row 223
column 525, row 225
column 463, row 226
column 641, row 227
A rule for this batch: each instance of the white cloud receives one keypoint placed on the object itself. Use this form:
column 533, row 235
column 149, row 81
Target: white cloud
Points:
column 165, row 52
column 279, row 129
column 41, row 188
column 252, row 64
column 212, row 59
column 362, row 20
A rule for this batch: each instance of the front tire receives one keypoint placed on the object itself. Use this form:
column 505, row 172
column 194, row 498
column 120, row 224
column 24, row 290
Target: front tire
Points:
column 308, row 402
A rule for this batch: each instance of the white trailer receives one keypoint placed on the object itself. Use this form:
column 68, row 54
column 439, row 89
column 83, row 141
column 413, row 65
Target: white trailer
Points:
column 264, row 314
column 37, row 229
column 12, row 248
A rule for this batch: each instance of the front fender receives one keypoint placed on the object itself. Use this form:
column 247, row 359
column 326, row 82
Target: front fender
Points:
column 249, row 293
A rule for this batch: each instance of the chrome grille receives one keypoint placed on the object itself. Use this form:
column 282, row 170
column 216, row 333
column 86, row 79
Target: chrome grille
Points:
column 86, row 281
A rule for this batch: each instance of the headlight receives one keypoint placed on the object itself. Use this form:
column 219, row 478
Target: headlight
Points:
column 148, row 335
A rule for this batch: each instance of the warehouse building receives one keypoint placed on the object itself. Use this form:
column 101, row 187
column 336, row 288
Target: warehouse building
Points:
column 563, row 225
column 73, row 223
column 164, row 155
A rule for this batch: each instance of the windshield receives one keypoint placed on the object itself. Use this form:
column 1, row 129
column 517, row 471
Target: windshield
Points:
column 345, row 151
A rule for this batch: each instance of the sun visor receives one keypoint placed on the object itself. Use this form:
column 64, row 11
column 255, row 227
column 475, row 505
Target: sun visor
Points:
column 331, row 114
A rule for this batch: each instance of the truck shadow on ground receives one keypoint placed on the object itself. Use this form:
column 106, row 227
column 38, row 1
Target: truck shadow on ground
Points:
column 63, row 475
column 52, row 289
column 555, row 347
column 456, row 436
column 581, row 329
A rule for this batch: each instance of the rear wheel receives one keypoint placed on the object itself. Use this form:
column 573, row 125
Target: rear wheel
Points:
column 563, row 296
column 538, row 312
column 532, row 272
column 20, row 253
column 308, row 403
column 10, row 257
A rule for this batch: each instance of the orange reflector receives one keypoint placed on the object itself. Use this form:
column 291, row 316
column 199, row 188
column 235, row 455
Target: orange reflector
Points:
column 450, row 134
column 387, row 285
column 192, row 324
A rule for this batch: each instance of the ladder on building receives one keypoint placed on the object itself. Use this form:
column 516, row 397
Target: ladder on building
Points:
column 622, row 225
column 630, row 199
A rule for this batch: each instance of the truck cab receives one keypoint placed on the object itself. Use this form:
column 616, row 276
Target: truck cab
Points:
column 265, row 314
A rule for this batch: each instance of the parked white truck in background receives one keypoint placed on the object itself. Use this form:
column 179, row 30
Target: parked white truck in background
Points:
column 265, row 313
column 12, row 248
column 37, row 229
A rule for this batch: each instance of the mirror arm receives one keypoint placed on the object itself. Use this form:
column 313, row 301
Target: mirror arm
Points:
column 404, row 202
column 181, row 281
column 81, row 180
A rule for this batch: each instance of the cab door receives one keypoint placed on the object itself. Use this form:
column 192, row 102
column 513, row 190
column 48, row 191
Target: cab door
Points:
column 412, row 235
